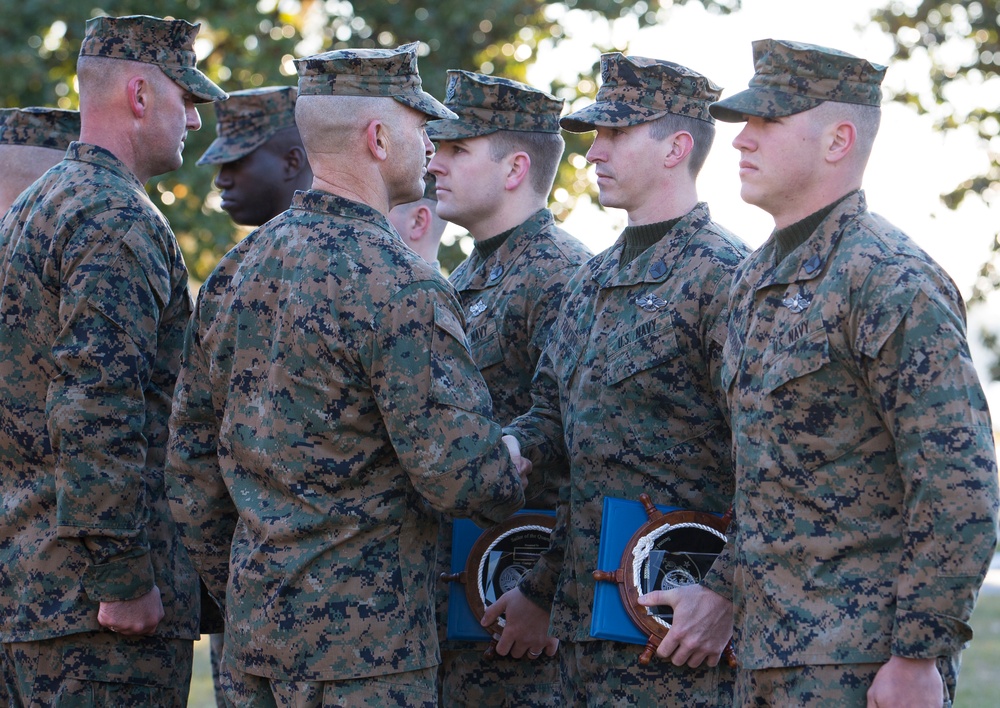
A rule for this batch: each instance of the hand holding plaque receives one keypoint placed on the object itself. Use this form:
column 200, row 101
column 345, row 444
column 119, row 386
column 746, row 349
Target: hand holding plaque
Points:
column 498, row 560
column 670, row 550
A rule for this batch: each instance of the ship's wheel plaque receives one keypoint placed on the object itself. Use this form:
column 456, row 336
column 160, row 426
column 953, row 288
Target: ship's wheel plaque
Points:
column 499, row 559
column 670, row 550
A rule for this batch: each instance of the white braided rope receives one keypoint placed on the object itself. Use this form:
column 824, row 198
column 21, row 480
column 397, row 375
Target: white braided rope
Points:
column 645, row 544
column 482, row 561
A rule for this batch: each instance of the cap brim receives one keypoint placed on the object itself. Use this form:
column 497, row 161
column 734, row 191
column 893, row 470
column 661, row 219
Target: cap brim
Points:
column 200, row 86
column 762, row 103
column 223, row 150
column 426, row 104
column 607, row 114
column 458, row 129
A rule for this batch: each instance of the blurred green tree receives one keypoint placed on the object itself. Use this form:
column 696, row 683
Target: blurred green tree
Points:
column 959, row 42
column 243, row 45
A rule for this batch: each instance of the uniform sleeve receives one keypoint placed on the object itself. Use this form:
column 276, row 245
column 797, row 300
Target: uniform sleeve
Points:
column 111, row 303
column 912, row 343
column 199, row 500
column 541, row 429
column 547, row 456
column 539, row 583
column 437, row 409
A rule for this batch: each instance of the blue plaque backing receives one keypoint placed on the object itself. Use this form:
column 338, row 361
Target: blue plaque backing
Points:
column 462, row 624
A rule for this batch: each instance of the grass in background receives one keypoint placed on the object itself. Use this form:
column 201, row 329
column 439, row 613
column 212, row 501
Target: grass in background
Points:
column 977, row 682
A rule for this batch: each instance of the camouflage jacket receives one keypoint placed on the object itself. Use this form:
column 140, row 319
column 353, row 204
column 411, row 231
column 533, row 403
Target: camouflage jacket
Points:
column 866, row 476
column 511, row 299
column 92, row 316
column 630, row 382
column 327, row 406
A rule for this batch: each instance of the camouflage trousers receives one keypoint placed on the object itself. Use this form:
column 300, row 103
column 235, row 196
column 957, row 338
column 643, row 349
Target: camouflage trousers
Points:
column 96, row 669
column 467, row 679
column 216, row 646
column 410, row 688
column 823, row 686
column 605, row 673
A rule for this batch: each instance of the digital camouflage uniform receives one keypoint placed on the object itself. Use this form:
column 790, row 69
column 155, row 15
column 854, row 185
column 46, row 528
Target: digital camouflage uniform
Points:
column 629, row 383
column 53, row 128
column 328, row 406
column 244, row 122
column 510, row 298
column 94, row 305
column 248, row 119
column 866, row 491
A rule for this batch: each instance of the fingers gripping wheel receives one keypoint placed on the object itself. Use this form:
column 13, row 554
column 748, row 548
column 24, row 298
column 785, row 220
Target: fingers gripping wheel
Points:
column 670, row 550
column 499, row 559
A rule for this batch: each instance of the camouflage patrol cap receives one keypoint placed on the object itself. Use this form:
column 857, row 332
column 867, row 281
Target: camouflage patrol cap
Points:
column 638, row 90
column 168, row 44
column 247, row 119
column 486, row 104
column 391, row 73
column 791, row 77
column 52, row 128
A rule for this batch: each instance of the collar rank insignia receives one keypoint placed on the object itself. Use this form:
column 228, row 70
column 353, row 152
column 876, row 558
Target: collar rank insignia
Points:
column 798, row 303
column 496, row 272
column 478, row 308
column 650, row 302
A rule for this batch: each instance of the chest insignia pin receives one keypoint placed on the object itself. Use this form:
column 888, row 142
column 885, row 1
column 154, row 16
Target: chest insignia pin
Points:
column 650, row 302
column 478, row 308
column 798, row 303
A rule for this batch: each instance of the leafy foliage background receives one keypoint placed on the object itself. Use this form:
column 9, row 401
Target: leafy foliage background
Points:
column 244, row 44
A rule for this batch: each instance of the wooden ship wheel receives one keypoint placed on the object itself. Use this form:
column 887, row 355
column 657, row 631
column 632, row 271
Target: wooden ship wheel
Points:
column 670, row 550
column 498, row 560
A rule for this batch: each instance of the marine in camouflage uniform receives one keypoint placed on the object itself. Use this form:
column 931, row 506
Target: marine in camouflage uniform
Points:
column 94, row 306
column 511, row 286
column 327, row 408
column 258, row 152
column 31, row 141
column 866, row 492
column 261, row 162
column 629, row 382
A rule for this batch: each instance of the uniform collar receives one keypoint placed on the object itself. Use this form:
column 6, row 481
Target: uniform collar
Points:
column 96, row 155
column 809, row 259
column 656, row 263
column 490, row 271
column 324, row 202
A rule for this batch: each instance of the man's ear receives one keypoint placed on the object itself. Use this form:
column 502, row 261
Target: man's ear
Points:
column 294, row 162
column 138, row 90
column 843, row 137
column 681, row 144
column 422, row 219
column 378, row 140
column 520, row 165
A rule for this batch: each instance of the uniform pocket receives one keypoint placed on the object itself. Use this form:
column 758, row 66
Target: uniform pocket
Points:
column 487, row 348
column 805, row 356
column 647, row 346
